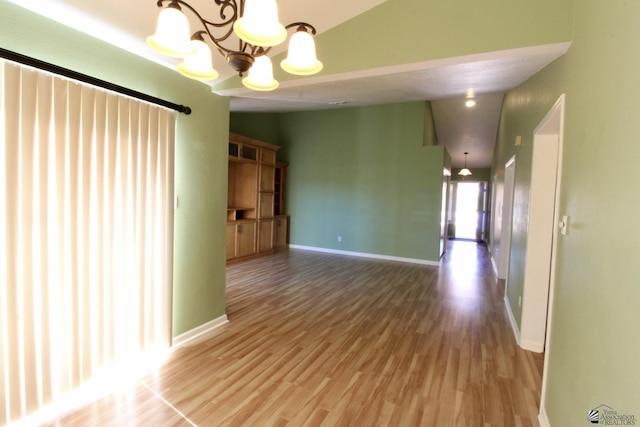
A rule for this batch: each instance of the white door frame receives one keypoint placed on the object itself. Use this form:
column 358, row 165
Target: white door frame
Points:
column 541, row 228
column 494, row 240
column 507, row 219
column 552, row 122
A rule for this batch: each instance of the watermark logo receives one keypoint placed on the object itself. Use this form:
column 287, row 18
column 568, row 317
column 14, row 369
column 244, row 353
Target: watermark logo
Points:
column 606, row 415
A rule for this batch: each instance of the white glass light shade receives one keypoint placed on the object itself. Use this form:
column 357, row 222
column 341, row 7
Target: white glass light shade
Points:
column 464, row 172
column 172, row 35
column 198, row 66
column 259, row 25
column 261, row 75
column 301, row 58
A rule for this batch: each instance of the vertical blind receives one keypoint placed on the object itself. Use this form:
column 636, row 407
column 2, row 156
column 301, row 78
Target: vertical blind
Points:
column 86, row 228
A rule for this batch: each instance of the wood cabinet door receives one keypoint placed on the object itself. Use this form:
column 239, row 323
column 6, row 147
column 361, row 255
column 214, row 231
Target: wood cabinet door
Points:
column 265, row 235
column 280, row 232
column 266, row 205
column 267, row 178
column 246, row 238
column 268, row 157
column 231, row 241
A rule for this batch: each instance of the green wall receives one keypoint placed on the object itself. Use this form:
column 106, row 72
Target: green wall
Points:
column 262, row 126
column 362, row 174
column 594, row 349
column 201, row 151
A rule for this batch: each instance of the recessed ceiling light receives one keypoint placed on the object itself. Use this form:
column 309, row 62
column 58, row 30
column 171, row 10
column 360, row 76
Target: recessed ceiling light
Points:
column 470, row 103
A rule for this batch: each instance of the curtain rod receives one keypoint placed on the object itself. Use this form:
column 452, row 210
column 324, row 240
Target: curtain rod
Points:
column 46, row 66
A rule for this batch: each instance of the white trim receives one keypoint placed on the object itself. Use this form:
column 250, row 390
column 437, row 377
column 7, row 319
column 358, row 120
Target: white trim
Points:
column 197, row 332
column 366, row 255
column 512, row 319
column 494, row 263
column 506, row 228
column 511, row 161
column 535, row 346
column 543, row 418
column 541, row 230
column 558, row 108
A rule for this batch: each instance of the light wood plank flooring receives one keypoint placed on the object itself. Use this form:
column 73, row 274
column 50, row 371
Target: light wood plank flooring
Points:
column 328, row 340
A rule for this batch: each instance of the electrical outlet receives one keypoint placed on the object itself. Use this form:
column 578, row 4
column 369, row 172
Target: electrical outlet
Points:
column 520, row 302
column 339, row 238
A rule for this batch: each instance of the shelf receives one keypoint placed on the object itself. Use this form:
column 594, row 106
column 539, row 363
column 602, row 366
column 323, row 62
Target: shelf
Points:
column 238, row 213
column 250, row 197
column 239, row 151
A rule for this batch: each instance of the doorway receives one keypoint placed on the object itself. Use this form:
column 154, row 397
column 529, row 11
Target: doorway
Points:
column 469, row 210
column 549, row 135
column 541, row 230
column 466, row 214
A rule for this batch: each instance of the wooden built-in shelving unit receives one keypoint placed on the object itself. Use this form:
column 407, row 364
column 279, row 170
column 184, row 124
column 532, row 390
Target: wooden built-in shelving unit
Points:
column 256, row 220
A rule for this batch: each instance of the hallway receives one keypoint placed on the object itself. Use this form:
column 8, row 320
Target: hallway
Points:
column 317, row 339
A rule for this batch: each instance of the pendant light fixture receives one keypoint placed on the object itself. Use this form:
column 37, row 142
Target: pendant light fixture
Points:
column 302, row 58
column 198, row 65
column 172, row 33
column 259, row 26
column 464, row 171
column 261, row 75
column 256, row 28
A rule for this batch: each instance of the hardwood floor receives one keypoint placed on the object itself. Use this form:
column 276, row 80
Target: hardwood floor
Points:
column 328, row 340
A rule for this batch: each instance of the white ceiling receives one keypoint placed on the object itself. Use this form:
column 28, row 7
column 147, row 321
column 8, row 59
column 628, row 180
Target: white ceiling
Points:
column 445, row 82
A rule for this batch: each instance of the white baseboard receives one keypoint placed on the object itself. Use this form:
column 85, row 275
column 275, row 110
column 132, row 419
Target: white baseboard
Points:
column 366, row 255
column 494, row 263
column 543, row 419
column 512, row 320
column 197, row 332
column 535, row 346
column 524, row 343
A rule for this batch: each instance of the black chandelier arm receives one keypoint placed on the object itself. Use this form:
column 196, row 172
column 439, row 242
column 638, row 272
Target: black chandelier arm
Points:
column 243, row 48
column 259, row 50
column 302, row 25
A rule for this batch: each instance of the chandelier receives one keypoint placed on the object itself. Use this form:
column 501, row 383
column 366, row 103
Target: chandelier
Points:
column 465, row 171
column 254, row 22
